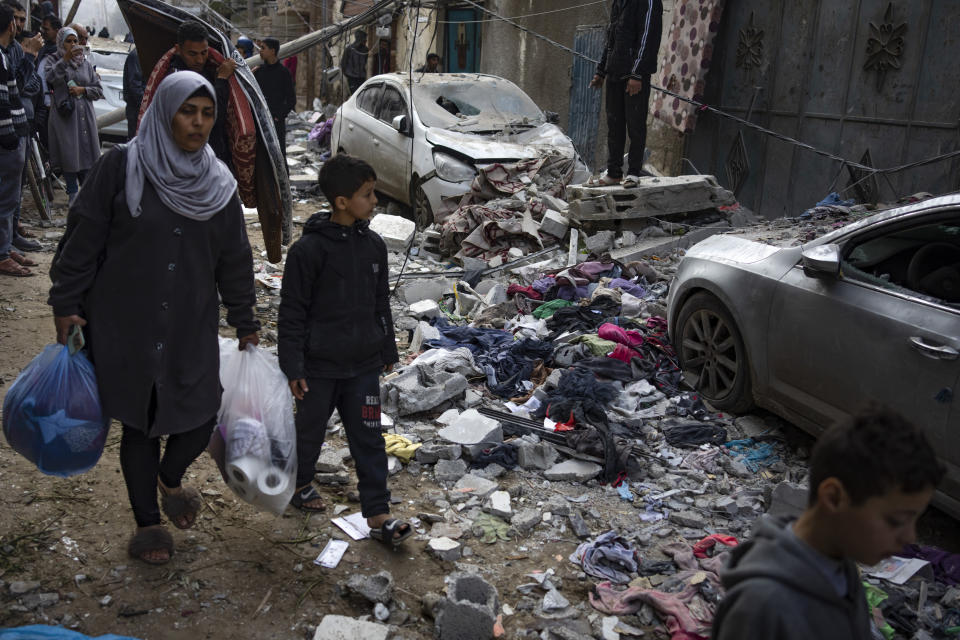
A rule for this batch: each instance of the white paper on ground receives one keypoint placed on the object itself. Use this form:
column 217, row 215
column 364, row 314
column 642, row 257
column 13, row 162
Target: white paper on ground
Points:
column 898, row 570
column 354, row 525
column 332, row 554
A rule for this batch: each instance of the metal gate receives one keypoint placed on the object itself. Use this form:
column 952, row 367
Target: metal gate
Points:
column 584, row 101
column 874, row 81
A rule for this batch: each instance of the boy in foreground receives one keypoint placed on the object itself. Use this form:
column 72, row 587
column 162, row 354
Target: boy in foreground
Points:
column 869, row 482
column 336, row 336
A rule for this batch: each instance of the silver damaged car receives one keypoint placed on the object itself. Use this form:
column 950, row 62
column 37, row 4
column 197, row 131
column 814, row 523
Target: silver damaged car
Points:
column 869, row 313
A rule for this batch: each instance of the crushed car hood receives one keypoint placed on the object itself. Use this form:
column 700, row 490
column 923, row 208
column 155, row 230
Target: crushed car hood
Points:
column 523, row 145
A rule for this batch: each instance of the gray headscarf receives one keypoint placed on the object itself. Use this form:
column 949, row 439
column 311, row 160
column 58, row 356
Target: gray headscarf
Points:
column 62, row 36
column 194, row 184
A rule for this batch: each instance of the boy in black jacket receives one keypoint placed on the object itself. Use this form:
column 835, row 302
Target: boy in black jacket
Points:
column 336, row 336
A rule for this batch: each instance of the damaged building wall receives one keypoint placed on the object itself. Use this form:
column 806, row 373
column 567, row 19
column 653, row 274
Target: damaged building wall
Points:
column 545, row 72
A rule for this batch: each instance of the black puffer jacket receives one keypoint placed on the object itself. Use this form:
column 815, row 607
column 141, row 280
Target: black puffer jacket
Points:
column 633, row 39
column 335, row 317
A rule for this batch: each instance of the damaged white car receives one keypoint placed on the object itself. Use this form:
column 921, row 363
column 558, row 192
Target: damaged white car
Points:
column 457, row 123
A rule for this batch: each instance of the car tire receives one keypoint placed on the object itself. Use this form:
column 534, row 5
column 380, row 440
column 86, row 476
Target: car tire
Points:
column 712, row 354
column 420, row 206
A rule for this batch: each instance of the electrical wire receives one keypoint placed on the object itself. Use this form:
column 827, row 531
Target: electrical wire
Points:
column 529, row 15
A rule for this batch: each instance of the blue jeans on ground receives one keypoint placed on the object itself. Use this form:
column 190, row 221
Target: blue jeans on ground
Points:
column 11, row 174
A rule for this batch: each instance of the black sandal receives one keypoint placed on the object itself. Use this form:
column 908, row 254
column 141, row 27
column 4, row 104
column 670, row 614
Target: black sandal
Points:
column 185, row 503
column 300, row 499
column 386, row 533
column 144, row 541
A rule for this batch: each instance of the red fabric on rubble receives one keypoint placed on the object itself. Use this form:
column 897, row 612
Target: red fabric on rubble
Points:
column 700, row 549
column 609, row 331
column 624, row 353
column 530, row 292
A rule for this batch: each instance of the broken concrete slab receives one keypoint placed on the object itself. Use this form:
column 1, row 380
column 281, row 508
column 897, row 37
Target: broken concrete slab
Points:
column 425, row 289
column 445, row 549
column 600, row 242
column 476, row 486
column 525, row 520
column 554, row 224
column 432, row 452
column 419, row 389
column 334, row 627
column 498, row 504
column 424, row 309
column 573, row 470
column 424, row 331
column 375, row 588
column 331, row 460
column 396, row 232
column 470, row 610
column 540, row 455
column 652, row 197
column 661, row 246
column 473, row 431
column 449, row 471
column 580, row 528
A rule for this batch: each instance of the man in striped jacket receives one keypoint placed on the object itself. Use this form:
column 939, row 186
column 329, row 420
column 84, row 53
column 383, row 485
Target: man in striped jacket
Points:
column 629, row 59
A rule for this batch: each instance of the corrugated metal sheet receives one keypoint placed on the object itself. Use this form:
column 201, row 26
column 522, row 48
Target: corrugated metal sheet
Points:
column 584, row 101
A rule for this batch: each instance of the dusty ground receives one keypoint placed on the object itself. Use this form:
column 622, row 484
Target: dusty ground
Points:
column 238, row 573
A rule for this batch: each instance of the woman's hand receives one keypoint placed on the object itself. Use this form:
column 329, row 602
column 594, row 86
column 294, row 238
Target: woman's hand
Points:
column 253, row 338
column 78, row 91
column 63, row 324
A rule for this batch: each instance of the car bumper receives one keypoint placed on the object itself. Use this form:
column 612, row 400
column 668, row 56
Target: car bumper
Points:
column 438, row 190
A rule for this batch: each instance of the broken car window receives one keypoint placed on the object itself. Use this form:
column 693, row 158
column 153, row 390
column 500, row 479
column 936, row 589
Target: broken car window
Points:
column 368, row 98
column 477, row 103
column 392, row 105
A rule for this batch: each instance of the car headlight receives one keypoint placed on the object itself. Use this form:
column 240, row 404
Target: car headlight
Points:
column 451, row 169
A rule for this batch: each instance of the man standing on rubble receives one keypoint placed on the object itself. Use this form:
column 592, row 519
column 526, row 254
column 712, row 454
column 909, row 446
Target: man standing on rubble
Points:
column 354, row 61
column 629, row 59
column 277, row 86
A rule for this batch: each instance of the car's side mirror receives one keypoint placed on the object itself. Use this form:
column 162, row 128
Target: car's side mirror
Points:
column 822, row 261
column 552, row 117
column 401, row 124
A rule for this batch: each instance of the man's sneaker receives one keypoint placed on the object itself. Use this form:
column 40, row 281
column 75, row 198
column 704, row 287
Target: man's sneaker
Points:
column 631, row 182
column 603, row 180
column 26, row 244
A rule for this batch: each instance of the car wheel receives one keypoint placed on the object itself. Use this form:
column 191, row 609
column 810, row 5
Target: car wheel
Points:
column 422, row 213
column 713, row 355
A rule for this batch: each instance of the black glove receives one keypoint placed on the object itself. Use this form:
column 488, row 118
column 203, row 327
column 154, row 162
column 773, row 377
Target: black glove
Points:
column 10, row 142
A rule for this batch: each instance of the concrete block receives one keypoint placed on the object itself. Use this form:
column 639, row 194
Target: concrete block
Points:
column 340, row 477
column 573, row 470
column 421, row 334
column 580, row 528
column 375, row 588
column 445, row 549
column 498, row 504
column 525, row 520
column 539, row 455
column 751, row 426
column 473, row 264
column 448, row 417
column 343, row 628
column 425, row 289
column 687, row 519
column 554, row 224
column 22, row 587
column 557, row 505
column 431, row 452
column 470, row 609
column 788, row 500
column 394, row 466
column 477, row 486
column 473, row 431
column 420, row 389
column 396, row 232
column 600, row 242
column 424, row 309
column 449, row 471
column 331, row 461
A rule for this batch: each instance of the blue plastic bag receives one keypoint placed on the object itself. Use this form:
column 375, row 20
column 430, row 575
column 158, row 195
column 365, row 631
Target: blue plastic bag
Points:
column 52, row 414
column 44, row 632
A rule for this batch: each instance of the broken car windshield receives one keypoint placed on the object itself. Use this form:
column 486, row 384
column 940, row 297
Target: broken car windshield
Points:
column 453, row 105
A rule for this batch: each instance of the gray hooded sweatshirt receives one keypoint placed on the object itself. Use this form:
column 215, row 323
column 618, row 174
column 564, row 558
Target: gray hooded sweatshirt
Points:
column 776, row 590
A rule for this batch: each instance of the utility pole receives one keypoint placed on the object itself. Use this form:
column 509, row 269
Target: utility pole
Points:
column 312, row 60
column 71, row 13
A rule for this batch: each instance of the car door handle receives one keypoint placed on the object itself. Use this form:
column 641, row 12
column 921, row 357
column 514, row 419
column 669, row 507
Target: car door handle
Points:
column 938, row 352
column 376, row 142
column 350, row 126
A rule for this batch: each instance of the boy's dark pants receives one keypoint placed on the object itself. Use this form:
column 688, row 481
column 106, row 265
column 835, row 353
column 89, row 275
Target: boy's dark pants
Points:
column 358, row 401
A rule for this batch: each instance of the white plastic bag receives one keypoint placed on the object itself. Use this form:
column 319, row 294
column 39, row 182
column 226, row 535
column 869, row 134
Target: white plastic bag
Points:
column 255, row 423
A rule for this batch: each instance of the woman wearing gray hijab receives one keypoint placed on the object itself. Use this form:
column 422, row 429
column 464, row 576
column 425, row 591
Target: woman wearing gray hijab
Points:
column 155, row 234
column 72, row 124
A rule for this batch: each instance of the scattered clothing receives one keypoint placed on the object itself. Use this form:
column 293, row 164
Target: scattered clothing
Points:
column 547, row 309
column 701, row 548
column 946, row 565
column 609, row 557
column 530, row 292
column 504, row 454
column 754, row 455
column 694, row 434
column 402, row 448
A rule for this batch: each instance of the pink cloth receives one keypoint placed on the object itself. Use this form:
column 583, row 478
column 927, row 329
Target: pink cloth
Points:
column 612, row 332
column 624, row 353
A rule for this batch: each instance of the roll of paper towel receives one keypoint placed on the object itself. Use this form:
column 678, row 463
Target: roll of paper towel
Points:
column 245, row 471
column 272, row 482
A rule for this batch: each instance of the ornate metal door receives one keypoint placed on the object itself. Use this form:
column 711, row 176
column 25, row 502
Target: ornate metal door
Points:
column 874, row 81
